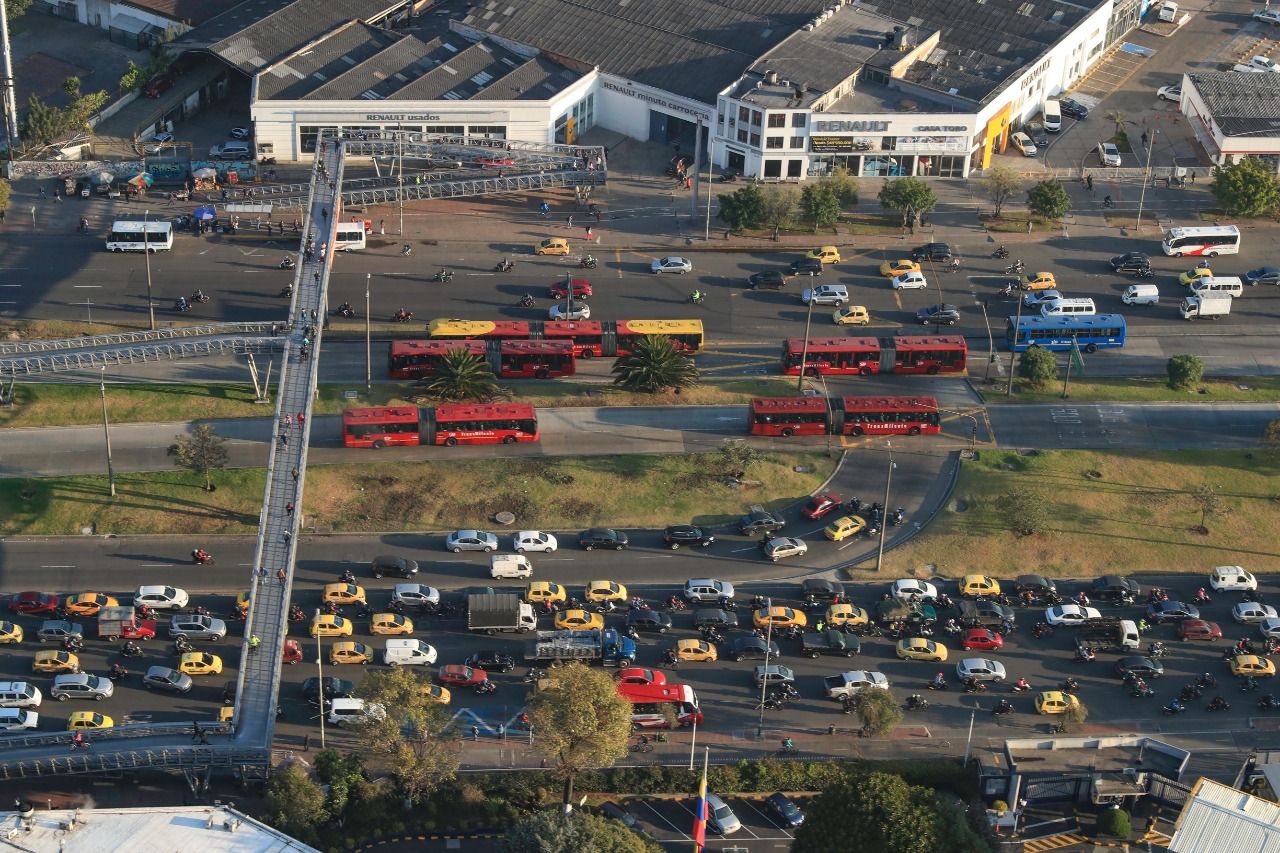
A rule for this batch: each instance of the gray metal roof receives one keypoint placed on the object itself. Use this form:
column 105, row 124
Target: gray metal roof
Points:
column 1219, row 818
column 694, row 48
column 304, row 71
column 1239, row 103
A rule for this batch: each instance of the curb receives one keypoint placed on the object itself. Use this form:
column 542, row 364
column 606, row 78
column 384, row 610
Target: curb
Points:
column 369, row 845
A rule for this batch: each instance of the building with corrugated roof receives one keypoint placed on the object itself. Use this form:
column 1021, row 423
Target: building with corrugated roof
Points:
column 1218, row 818
column 1234, row 115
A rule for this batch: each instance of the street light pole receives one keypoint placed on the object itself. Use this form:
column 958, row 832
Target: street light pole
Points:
column 804, row 352
column 991, row 345
column 884, row 513
column 711, row 162
column 400, row 137
column 368, row 346
column 1146, row 179
column 320, row 683
column 1013, row 347
column 106, row 431
column 146, row 251
column 764, row 682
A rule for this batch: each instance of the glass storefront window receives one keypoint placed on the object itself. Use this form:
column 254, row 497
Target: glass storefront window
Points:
column 307, row 135
column 773, row 168
column 488, row 131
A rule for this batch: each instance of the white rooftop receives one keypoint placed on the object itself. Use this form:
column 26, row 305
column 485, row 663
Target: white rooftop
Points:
column 156, row 830
column 1218, row 818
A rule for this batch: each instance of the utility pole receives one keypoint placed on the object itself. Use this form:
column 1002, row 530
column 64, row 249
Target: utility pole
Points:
column 368, row 346
column 884, row 513
column 146, row 252
column 106, row 430
column 1013, row 348
column 804, row 352
column 400, row 137
column 10, row 104
column 1146, row 179
column 711, row 162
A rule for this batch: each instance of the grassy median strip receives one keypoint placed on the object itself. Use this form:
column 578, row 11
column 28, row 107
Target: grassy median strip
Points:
column 556, row 494
column 1142, row 389
column 1110, row 513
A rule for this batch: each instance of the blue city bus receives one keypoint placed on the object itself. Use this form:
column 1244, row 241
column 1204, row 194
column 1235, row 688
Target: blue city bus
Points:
column 1091, row 332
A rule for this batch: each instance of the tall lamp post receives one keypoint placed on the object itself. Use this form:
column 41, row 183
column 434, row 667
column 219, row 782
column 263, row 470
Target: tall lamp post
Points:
column 764, row 682
column 368, row 347
column 1013, row 354
column 884, row 514
column 804, row 352
column 146, row 251
column 1146, row 179
column 106, row 430
column 991, row 345
column 324, row 703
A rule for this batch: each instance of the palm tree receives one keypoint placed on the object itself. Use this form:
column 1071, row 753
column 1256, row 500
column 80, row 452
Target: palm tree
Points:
column 1117, row 117
column 463, row 376
column 655, row 364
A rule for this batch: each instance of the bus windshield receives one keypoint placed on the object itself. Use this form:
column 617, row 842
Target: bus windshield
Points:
column 138, row 236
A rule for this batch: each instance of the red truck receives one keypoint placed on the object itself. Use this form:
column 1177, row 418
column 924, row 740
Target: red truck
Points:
column 117, row 622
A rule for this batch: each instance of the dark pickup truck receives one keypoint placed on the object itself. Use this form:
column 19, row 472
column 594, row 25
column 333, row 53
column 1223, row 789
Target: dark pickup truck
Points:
column 982, row 613
column 829, row 643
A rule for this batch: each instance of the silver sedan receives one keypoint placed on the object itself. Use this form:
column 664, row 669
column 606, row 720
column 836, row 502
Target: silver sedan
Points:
column 471, row 540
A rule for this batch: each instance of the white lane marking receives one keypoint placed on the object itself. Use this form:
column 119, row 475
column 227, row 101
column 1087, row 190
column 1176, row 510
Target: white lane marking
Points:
column 57, row 567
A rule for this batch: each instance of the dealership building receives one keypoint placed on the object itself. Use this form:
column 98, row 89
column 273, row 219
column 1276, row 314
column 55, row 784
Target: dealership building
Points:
column 783, row 89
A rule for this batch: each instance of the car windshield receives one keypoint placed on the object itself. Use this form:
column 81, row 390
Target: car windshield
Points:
column 723, row 811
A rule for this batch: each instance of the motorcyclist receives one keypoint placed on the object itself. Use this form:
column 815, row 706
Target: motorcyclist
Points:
column 1082, row 599
column 1174, row 706
column 589, row 261
column 951, row 627
column 182, row 303
column 444, row 273
column 696, row 296
column 939, row 679
column 1022, row 684
column 1201, row 596
column 198, row 296
column 915, row 700
column 79, row 739
column 527, row 300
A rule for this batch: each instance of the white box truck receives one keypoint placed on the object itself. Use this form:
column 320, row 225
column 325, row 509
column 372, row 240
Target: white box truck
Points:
column 1210, row 305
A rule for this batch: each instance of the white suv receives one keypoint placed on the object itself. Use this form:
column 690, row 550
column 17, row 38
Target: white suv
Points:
column 826, row 294
column 910, row 281
column 707, row 589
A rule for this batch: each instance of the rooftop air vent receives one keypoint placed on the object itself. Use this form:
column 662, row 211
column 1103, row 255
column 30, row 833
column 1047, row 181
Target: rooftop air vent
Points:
column 771, row 77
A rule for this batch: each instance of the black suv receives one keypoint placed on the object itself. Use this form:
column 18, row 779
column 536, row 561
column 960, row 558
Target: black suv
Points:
column 1073, row 109
column 806, row 266
column 939, row 315
column 931, row 252
column 760, row 520
column 750, row 648
column 602, row 537
column 492, row 661
column 769, row 280
column 714, row 617
column 397, row 567
column 686, row 534
column 649, row 620
column 334, row 688
column 822, row 590
column 1113, row 587
column 1130, row 262
column 1034, row 583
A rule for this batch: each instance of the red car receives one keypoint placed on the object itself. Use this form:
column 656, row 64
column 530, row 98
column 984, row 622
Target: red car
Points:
column 461, row 676
column 820, row 505
column 159, row 84
column 981, row 638
column 1198, row 629
column 292, row 651
column 33, row 602
column 581, row 288
column 494, row 161
column 640, row 675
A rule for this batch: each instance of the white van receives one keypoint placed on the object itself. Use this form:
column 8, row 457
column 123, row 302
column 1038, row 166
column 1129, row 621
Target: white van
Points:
column 408, row 652
column 343, row 711
column 1052, row 116
column 18, row 720
column 1068, row 308
column 1141, row 294
column 510, row 566
column 1218, row 284
column 19, row 694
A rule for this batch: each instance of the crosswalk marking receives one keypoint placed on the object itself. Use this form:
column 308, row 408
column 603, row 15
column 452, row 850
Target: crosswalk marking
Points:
column 1053, row 842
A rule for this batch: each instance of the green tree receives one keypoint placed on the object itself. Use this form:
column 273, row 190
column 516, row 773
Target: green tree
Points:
column 780, row 204
column 845, row 186
column 1075, row 715
column 878, row 712
column 742, row 209
column 1048, row 200
column 294, row 803
column 820, row 205
column 411, row 738
column 462, row 376
column 1247, row 188
column 1114, row 822
column 133, row 78
column 735, row 456
column 1117, row 118
column 553, row 831
column 72, row 87
column 1038, row 366
column 583, row 723
column 1271, row 442
column 1185, row 372
column 6, row 189
column 343, row 775
column 908, row 196
column 1026, row 512
column 880, row 810
column 202, row 452
column 1208, row 500
column 1000, row 184
column 655, row 364
column 14, row 9
column 42, row 124
column 958, row 828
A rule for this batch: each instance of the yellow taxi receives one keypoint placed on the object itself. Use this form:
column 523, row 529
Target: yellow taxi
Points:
column 893, row 269
column 851, row 315
column 695, row 650
column 390, row 623
column 843, row 528
column 847, row 615
column 329, row 625
column 1254, row 665
column 606, row 591
column 779, row 617
column 979, row 585
column 1039, row 281
column 349, row 652
column 344, row 593
column 826, row 254
column 438, row 693
column 225, row 713
column 242, row 601
column 1190, row 277
column 88, row 603
column 51, row 661
column 578, row 620
column 200, row 663
column 10, row 633
column 538, row 592
column 552, row 246
column 1055, row 702
column 918, row 648
column 86, row 720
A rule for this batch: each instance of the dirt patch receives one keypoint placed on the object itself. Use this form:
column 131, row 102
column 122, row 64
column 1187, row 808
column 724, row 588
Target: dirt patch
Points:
column 41, row 75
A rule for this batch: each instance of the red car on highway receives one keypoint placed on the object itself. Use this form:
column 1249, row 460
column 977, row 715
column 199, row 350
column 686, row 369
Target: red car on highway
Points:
column 461, row 676
column 1198, row 629
column 494, row 161
column 33, row 602
column 820, row 505
column 581, row 288
column 981, row 638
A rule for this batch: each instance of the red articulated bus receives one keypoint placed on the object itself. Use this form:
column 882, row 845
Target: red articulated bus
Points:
column 890, row 416
column 605, row 338
column 535, row 359
column 831, row 356
column 497, row 423
column 788, row 416
column 416, row 359
column 929, row 354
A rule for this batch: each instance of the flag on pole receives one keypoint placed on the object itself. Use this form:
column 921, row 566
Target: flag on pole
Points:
column 700, row 815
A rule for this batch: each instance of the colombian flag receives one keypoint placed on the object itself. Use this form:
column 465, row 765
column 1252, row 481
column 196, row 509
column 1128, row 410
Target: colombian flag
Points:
column 700, row 816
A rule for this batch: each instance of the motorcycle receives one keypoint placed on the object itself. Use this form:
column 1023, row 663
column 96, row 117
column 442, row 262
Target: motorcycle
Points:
column 1042, row 629
column 1007, row 290
column 535, row 675
column 939, row 685
column 898, row 516
column 1022, row 688
column 1190, row 692
column 1230, row 652
column 268, row 161
column 347, row 577
column 129, row 650
column 364, row 611
column 1143, row 692
column 1155, row 650
column 972, row 686
column 505, row 266
column 180, row 647
column 73, row 644
column 729, row 177
column 117, row 673
column 1251, row 595
column 587, row 264
column 1170, row 710
column 201, row 558
column 182, row 306
column 444, row 276
column 917, row 703
column 1201, row 598
column 1015, row 268
column 286, row 264
column 1268, row 703
column 712, row 636
column 286, row 292
column 1000, row 253
column 402, row 317
column 1145, row 272
column 484, row 687
column 238, row 614
column 695, row 299
column 772, row 704
column 1069, row 686
column 345, row 310
column 1206, row 680
column 200, row 297
column 527, row 302
column 1004, row 706
column 1218, row 704
column 296, row 613
column 1249, row 684
column 395, row 606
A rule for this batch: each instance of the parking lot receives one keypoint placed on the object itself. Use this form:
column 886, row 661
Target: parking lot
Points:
column 670, row 820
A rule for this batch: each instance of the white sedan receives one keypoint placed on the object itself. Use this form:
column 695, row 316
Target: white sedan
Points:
column 535, row 540
column 981, row 669
column 159, row 141
column 785, row 546
column 1071, row 614
column 910, row 281
column 576, row 311
column 677, row 265
column 911, row 588
column 1252, row 611
column 1268, row 16
column 168, row 598
column 1170, row 93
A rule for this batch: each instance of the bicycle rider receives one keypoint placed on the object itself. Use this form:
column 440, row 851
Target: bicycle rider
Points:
column 788, row 745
